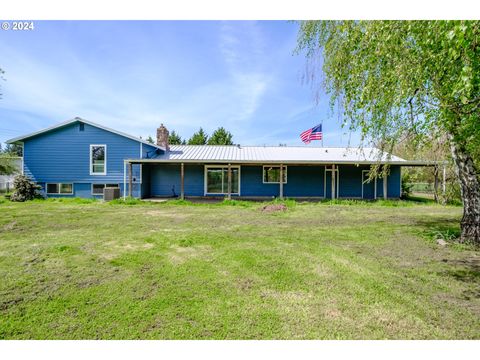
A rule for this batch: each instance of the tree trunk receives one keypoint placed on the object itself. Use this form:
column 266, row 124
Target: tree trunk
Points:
column 470, row 190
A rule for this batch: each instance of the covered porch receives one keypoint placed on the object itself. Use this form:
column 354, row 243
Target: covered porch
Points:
column 260, row 180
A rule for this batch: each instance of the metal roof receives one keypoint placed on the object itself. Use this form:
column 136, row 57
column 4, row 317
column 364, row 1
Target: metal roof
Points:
column 276, row 154
column 78, row 119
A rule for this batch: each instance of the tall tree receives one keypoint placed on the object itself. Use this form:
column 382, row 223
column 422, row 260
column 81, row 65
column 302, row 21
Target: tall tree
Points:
column 7, row 165
column 198, row 138
column 13, row 150
column 394, row 76
column 175, row 139
column 220, row 137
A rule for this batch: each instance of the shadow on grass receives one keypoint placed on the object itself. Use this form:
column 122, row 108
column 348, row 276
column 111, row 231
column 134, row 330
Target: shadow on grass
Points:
column 420, row 199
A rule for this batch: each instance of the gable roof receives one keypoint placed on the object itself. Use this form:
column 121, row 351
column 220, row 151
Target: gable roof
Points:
column 277, row 155
column 78, row 119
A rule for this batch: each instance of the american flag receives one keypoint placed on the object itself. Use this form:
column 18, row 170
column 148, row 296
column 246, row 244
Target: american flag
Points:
column 314, row 133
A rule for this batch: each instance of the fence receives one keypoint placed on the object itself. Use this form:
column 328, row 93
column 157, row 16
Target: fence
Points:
column 6, row 186
column 422, row 187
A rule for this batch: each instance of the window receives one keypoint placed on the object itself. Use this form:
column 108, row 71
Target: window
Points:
column 98, row 155
column 216, row 179
column 60, row 188
column 97, row 189
column 271, row 175
column 82, row 127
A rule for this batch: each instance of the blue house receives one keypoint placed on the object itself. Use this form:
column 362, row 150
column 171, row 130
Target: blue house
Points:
column 79, row 158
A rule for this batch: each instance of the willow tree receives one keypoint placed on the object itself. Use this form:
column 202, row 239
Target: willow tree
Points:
column 393, row 77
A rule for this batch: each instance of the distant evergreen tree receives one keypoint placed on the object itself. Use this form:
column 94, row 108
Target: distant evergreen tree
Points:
column 7, row 167
column 220, row 137
column 150, row 140
column 175, row 139
column 198, row 138
column 13, row 150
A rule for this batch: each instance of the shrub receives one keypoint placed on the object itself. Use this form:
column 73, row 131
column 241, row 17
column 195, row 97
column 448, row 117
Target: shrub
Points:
column 25, row 189
column 406, row 185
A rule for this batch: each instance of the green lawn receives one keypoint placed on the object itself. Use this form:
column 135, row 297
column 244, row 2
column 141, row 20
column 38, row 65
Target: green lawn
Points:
column 73, row 270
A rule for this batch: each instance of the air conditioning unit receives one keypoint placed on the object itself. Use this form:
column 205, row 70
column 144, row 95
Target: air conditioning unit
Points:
column 110, row 193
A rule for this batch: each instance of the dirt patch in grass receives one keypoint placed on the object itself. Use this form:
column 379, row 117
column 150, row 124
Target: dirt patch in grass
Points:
column 113, row 250
column 274, row 208
column 10, row 226
column 181, row 254
column 245, row 284
column 166, row 213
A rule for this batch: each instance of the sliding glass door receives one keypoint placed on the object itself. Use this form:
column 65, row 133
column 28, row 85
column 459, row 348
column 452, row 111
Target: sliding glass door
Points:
column 216, row 179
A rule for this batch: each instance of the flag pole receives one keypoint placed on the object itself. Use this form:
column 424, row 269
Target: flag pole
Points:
column 322, row 133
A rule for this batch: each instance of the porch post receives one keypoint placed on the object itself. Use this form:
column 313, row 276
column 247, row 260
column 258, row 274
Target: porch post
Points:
column 124, row 180
column 384, row 183
column 229, row 181
column 182, row 181
column 130, row 179
column 333, row 182
column 281, row 181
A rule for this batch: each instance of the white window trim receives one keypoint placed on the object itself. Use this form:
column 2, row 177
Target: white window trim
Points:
column 59, row 193
column 337, row 177
column 23, row 159
column 141, row 165
column 274, row 182
column 91, row 165
column 104, row 185
column 206, row 167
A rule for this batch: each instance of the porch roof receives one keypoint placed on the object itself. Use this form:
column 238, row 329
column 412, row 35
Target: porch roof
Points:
column 236, row 154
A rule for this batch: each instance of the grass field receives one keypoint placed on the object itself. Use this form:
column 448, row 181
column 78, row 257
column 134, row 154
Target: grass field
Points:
column 83, row 270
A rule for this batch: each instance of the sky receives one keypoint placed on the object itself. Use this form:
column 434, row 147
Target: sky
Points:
column 134, row 75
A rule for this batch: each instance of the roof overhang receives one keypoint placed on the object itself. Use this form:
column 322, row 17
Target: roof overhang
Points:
column 285, row 162
column 78, row 119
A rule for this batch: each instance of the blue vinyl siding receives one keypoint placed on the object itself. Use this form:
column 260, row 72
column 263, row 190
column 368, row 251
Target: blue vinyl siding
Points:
column 251, row 182
column 350, row 181
column 304, row 181
column 393, row 183
column 194, row 180
column 63, row 156
column 164, row 179
column 146, row 174
column 368, row 188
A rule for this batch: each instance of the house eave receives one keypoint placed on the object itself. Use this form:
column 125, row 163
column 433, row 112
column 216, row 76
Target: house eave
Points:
column 285, row 162
column 19, row 139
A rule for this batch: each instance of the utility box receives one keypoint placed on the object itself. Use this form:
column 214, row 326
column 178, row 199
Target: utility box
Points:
column 110, row 193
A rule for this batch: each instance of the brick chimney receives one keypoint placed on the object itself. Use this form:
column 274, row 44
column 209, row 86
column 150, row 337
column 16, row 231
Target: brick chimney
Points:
column 162, row 137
